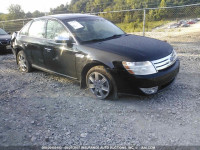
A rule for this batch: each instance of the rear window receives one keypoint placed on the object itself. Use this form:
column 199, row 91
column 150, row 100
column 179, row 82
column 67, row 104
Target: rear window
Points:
column 37, row 29
column 24, row 30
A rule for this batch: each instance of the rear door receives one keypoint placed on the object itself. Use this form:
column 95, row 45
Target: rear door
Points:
column 21, row 40
column 35, row 42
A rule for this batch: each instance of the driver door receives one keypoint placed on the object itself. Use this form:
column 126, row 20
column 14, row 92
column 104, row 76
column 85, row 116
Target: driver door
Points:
column 58, row 57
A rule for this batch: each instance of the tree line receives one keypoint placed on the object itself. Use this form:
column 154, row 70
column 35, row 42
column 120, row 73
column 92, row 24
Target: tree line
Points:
column 16, row 12
column 129, row 21
column 91, row 6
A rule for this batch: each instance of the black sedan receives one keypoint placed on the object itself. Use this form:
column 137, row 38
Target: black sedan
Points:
column 4, row 40
column 97, row 53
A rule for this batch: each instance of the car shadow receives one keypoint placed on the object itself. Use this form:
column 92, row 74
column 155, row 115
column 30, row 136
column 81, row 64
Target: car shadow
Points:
column 132, row 98
column 127, row 98
column 123, row 98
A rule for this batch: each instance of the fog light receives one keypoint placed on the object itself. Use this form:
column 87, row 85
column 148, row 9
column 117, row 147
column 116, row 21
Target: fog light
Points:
column 149, row 91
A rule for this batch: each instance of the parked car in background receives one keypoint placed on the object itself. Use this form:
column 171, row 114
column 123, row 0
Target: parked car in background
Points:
column 182, row 22
column 97, row 53
column 4, row 40
column 175, row 25
column 185, row 25
column 191, row 22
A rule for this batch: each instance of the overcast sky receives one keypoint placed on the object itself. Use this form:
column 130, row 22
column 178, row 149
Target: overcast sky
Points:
column 32, row 5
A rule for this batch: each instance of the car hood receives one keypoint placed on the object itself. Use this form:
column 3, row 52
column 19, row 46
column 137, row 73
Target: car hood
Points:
column 135, row 48
column 5, row 37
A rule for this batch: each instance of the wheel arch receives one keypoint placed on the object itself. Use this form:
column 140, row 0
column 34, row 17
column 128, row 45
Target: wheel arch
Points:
column 87, row 67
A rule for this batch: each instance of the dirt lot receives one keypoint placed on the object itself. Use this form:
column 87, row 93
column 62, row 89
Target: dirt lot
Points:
column 42, row 109
column 180, row 34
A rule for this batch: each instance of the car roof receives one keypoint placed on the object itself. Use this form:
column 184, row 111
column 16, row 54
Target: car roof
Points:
column 68, row 16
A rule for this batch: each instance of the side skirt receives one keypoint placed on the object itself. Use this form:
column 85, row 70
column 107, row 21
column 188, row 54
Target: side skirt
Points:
column 53, row 72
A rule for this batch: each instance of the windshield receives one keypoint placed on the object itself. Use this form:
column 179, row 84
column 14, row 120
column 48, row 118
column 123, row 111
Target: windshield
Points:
column 93, row 29
column 2, row 32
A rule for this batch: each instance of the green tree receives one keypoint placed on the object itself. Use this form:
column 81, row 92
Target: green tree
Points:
column 127, row 18
column 162, row 12
column 29, row 15
column 60, row 9
column 37, row 13
column 3, row 17
column 15, row 12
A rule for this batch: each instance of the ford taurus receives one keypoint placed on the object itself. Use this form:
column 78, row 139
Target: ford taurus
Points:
column 97, row 53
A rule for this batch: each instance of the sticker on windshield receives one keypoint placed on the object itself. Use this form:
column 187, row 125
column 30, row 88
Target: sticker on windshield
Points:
column 76, row 25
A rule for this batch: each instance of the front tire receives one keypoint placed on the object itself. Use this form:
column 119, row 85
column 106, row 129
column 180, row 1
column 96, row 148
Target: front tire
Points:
column 24, row 65
column 99, row 81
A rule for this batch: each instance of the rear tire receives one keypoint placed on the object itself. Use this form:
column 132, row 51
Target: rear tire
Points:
column 23, row 64
column 100, row 82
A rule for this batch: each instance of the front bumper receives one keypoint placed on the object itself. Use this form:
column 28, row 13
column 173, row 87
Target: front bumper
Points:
column 2, row 47
column 128, row 83
column 5, row 47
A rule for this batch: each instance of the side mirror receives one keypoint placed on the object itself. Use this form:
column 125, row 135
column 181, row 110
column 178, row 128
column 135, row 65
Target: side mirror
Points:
column 9, row 33
column 64, row 39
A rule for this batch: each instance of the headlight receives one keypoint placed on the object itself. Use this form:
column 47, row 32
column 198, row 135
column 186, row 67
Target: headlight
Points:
column 173, row 56
column 139, row 68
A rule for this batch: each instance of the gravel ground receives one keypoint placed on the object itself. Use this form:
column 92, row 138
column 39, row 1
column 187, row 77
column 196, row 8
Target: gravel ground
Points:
column 43, row 109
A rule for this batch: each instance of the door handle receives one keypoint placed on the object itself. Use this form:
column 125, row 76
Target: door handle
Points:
column 48, row 49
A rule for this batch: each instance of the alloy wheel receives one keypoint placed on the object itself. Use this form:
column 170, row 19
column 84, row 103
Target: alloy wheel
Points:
column 99, row 85
column 22, row 63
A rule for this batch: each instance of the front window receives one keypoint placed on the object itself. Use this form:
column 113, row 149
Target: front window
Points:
column 2, row 32
column 55, row 29
column 92, row 29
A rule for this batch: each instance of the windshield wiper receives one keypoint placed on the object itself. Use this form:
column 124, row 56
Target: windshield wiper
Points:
column 114, row 36
column 111, row 37
column 94, row 40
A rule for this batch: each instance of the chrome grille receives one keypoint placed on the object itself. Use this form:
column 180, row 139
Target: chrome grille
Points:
column 165, row 62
